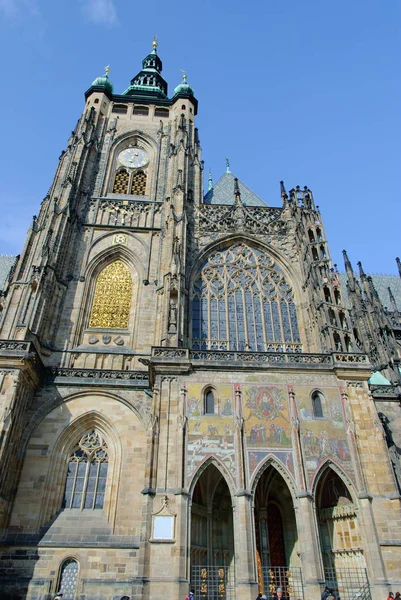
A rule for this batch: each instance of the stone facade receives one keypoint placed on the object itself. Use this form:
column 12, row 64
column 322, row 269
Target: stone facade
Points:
column 184, row 392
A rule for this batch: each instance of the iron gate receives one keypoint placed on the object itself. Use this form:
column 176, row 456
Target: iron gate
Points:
column 348, row 584
column 289, row 579
column 213, row 583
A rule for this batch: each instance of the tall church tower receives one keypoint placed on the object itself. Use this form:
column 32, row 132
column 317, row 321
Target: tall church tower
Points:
column 184, row 402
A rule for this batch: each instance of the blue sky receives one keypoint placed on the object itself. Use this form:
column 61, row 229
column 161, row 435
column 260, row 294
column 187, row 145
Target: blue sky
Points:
column 306, row 91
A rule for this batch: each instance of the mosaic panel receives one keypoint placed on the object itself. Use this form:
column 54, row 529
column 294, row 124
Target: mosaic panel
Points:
column 266, row 416
column 210, row 434
column 323, row 437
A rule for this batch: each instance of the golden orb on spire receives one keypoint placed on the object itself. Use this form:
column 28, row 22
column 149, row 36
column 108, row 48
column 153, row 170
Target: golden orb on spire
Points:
column 154, row 43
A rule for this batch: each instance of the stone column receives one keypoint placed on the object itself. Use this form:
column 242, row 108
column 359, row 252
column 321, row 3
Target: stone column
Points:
column 245, row 548
column 310, row 555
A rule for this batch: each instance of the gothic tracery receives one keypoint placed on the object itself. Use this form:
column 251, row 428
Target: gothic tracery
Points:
column 242, row 301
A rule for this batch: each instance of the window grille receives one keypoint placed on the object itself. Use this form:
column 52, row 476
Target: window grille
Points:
column 112, row 300
column 121, row 182
column 120, row 109
column 161, row 112
column 87, row 473
column 68, row 579
column 140, row 110
column 242, row 301
column 138, row 187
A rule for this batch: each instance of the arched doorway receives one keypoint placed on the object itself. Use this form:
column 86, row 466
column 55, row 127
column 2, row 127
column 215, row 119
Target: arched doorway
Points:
column 276, row 537
column 212, row 537
column 343, row 558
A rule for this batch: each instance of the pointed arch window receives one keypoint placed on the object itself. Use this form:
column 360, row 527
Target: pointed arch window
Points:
column 87, row 473
column 68, row 579
column 317, row 405
column 241, row 300
column 209, row 402
column 121, row 182
column 112, row 299
column 138, row 186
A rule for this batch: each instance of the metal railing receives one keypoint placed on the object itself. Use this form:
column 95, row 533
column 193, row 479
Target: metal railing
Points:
column 348, row 584
column 213, row 583
column 289, row 579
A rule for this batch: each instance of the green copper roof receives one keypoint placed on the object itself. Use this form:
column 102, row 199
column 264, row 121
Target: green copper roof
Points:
column 223, row 192
column 184, row 87
column 149, row 80
column 103, row 81
column 378, row 379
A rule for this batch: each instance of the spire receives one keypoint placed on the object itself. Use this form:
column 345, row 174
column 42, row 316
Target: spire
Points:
column 237, row 192
column 392, row 301
column 349, row 271
column 284, row 195
column 210, row 181
column 227, row 165
column 362, row 273
column 149, row 81
column 398, row 261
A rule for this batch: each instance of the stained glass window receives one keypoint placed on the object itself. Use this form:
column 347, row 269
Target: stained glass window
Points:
column 241, row 300
column 68, row 579
column 85, row 485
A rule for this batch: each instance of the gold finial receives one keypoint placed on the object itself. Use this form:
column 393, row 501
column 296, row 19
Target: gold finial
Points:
column 184, row 75
column 107, row 69
column 154, row 43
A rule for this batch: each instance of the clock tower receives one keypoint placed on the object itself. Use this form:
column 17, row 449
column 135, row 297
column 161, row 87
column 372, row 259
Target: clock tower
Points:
column 184, row 392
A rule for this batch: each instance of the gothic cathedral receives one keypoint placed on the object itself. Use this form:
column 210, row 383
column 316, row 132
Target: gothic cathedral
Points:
column 186, row 389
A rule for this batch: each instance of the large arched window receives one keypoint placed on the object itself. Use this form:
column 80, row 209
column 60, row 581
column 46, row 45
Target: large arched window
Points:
column 138, row 186
column 121, row 182
column 112, row 299
column 68, row 579
column 242, row 301
column 87, row 473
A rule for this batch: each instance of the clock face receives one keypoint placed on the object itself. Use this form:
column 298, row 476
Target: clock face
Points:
column 133, row 158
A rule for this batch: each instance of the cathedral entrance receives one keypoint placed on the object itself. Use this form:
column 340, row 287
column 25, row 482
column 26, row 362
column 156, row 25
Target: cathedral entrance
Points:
column 344, row 562
column 276, row 537
column 212, row 537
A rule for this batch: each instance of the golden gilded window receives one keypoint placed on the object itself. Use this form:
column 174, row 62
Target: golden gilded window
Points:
column 112, row 300
column 121, row 182
column 138, row 187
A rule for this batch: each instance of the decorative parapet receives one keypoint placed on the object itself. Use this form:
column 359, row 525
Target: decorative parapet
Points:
column 97, row 377
column 389, row 392
column 14, row 346
column 253, row 219
column 123, row 212
column 286, row 359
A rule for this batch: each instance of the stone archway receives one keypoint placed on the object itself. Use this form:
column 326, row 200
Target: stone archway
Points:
column 276, row 537
column 212, row 536
column 340, row 540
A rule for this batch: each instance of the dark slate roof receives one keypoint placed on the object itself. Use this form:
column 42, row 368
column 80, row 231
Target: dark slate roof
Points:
column 381, row 283
column 6, row 262
column 223, row 193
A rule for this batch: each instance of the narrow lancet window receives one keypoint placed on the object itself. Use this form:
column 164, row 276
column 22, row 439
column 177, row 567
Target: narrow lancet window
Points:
column 209, row 403
column 317, row 406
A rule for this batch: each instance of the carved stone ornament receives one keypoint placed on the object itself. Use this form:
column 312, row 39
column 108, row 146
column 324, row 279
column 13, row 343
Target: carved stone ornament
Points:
column 93, row 339
column 106, row 339
column 119, row 341
column 253, row 219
